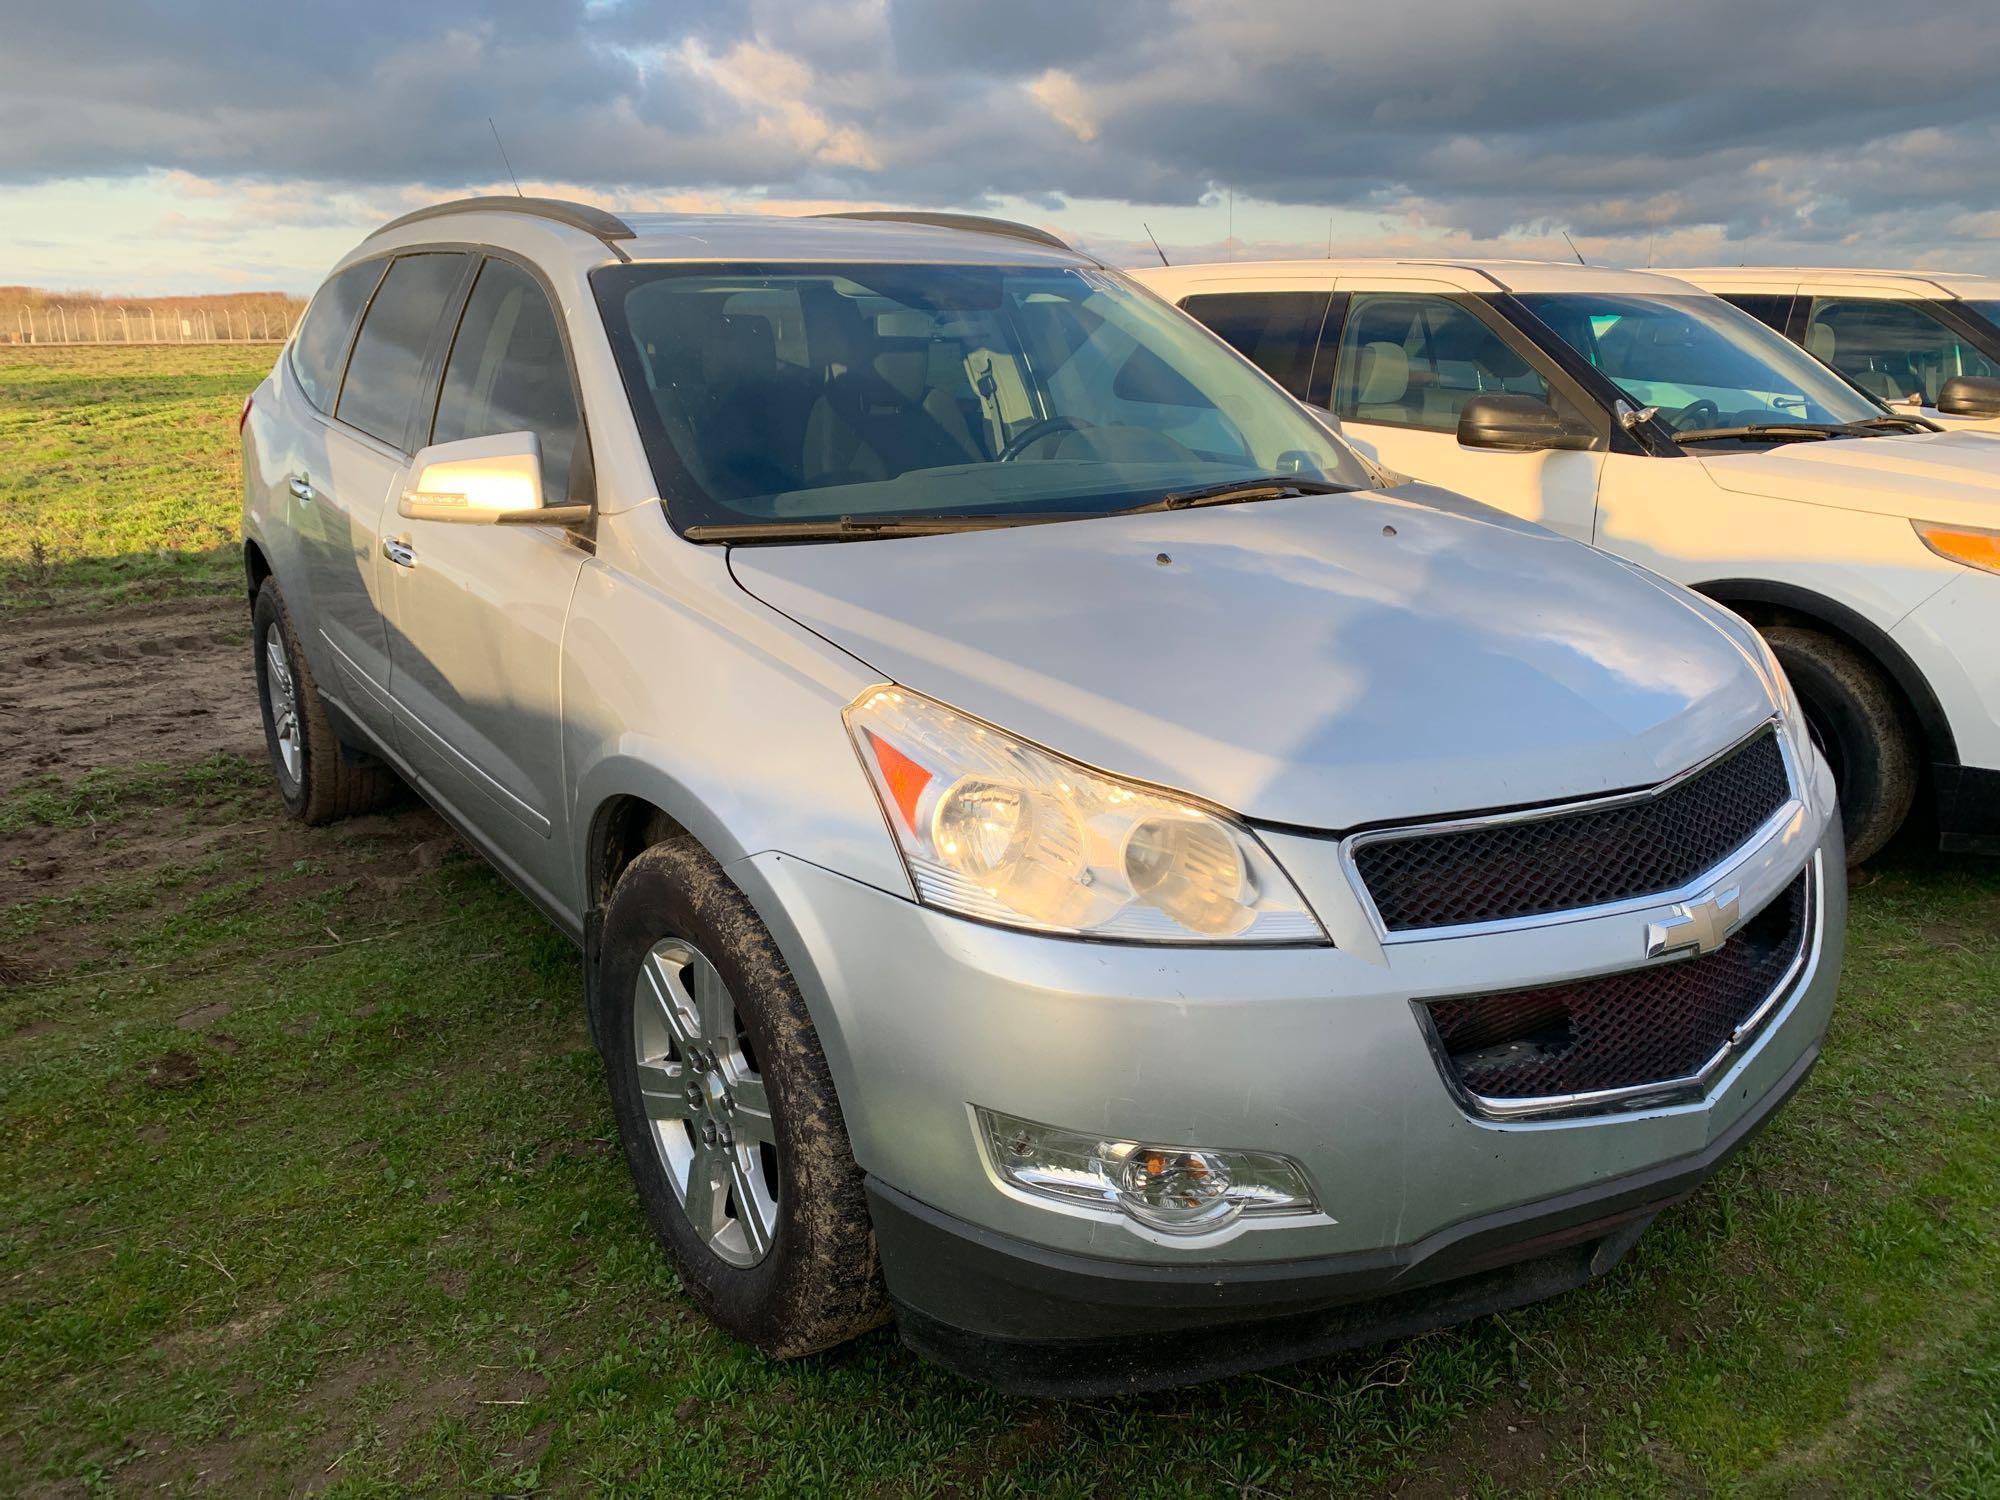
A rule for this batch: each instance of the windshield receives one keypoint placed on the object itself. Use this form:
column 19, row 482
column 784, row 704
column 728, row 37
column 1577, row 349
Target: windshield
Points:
column 778, row 394
column 1703, row 363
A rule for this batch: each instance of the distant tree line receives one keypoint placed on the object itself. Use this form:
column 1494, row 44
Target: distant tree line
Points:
column 30, row 315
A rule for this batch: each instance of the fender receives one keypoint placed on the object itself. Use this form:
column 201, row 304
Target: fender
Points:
column 1867, row 635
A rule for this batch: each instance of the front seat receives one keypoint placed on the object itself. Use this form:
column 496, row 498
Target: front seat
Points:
column 1382, row 386
column 882, row 418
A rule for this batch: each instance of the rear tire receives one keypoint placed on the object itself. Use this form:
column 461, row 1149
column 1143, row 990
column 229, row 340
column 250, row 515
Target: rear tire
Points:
column 1862, row 727
column 317, row 783
column 781, row 1251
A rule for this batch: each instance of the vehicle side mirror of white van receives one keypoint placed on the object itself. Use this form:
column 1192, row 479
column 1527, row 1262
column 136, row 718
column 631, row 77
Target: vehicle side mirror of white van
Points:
column 1970, row 396
column 490, row 480
column 1520, row 424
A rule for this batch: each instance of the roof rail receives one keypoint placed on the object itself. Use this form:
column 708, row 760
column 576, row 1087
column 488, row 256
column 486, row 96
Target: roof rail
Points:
column 607, row 227
column 976, row 223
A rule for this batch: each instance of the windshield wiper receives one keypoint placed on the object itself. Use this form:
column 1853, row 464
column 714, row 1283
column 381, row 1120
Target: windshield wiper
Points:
column 1236, row 492
column 859, row 528
column 1776, row 431
column 1894, row 422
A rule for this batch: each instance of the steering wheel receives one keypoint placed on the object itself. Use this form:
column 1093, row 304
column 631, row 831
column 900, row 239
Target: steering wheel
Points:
column 1703, row 408
column 1021, row 441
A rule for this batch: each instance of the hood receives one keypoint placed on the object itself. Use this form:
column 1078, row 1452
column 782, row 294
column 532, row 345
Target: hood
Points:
column 1930, row 476
column 1325, row 662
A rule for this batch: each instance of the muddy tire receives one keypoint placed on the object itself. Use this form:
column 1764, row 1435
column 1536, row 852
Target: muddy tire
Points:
column 1863, row 729
column 731, row 1127
column 318, row 784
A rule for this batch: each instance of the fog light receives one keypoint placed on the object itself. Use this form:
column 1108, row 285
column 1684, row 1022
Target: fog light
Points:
column 1178, row 1189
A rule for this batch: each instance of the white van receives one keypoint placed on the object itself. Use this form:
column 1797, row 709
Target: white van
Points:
column 1631, row 410
column 1926, row 342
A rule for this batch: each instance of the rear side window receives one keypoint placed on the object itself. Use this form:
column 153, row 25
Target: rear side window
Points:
column 386, row 369
column 1772, row 309
column 1276, row 331
column 507, row 374
column 322, row 337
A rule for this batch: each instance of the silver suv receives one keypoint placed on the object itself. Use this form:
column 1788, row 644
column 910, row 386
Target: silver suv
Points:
column 1065, row 852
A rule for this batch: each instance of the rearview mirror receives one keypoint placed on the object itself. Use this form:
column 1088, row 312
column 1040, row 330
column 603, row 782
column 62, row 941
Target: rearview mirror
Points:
column 1970, row 396
column 491, row 480
column 1520, row 424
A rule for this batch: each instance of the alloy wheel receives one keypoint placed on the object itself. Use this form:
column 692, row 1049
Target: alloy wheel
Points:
column 706, row 1102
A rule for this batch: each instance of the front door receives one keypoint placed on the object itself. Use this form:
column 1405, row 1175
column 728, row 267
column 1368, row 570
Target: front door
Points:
column 477, row 611
column 1410, row 358
column 1900, row 352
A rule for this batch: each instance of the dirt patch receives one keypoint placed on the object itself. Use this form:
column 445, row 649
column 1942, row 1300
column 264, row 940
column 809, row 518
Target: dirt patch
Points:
column 167, row 682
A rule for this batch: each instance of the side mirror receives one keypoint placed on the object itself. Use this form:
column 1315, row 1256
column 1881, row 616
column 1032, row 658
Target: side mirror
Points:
column 1518, row 424
column 485, row 480
column 1970, row 396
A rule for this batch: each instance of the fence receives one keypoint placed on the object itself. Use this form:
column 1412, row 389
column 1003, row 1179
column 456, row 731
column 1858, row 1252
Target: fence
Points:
column 56, row 323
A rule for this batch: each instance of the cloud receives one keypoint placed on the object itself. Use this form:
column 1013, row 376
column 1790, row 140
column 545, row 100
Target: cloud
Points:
column 1785, row 127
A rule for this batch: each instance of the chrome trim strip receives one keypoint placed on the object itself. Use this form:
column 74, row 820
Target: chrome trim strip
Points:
column 1686, row 1089
column 1694, row 886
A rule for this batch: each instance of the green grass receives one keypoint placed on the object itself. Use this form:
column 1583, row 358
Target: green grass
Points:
column 307, row 1180
column 118, row 470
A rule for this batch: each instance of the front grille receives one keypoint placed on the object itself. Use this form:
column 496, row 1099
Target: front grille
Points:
column 1529, row 866
column 1645, row 1026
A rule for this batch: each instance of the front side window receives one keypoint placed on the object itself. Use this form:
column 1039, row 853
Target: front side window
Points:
column 385, row 372
column 507, row 373
column 321, row 342
column 822, row 393
column 1414, row 360
column 1895, row 351
column 1278, row 332
column 1702, row 363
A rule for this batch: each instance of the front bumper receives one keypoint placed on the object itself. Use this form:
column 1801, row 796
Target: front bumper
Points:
column 1950, row 638
column 1315, row 1053
column 1035, row 1322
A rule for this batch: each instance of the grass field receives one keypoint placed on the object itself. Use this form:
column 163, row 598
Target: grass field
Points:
column 307, row 1179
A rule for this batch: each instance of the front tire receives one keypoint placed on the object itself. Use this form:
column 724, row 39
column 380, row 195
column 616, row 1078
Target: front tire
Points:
column 727, row 1110
column 318, row 784
column 1863, row 729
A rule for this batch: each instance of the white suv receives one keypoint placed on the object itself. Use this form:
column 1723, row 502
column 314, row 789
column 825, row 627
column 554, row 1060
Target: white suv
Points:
column 1632, row 411
column 1923, row 341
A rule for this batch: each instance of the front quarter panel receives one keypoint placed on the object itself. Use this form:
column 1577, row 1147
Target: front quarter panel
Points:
column 681, row 689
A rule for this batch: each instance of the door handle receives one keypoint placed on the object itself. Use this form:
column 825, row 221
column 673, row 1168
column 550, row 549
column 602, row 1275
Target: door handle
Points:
column 301, row 487
column 399, row 551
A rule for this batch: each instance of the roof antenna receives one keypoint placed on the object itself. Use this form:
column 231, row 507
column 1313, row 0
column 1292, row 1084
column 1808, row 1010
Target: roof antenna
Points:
column 1156, row 243
column 510, row 166
column 1573, row 250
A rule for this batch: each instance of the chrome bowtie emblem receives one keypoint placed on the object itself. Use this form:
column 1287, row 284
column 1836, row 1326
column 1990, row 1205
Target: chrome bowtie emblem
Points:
column 1702, row 925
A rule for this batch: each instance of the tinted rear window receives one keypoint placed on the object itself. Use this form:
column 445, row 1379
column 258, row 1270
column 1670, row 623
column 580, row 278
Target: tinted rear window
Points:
column 322, row 337
column 1276, row 331
column 386, row 368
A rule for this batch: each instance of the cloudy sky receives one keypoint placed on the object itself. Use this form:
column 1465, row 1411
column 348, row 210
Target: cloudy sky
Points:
column 226, row 144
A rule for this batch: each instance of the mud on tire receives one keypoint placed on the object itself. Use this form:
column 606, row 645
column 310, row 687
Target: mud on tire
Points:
column 327, row 786
column 819, row 1283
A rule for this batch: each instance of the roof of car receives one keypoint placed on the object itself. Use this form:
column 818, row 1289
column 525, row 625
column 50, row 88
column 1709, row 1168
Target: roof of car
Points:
column 1883, row 282
column 885, row 235
column 1460, row 273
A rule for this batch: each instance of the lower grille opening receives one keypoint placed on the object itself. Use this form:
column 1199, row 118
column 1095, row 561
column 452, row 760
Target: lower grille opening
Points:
column 1645, row 1026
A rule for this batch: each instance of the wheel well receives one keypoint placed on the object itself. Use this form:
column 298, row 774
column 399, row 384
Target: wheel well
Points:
column 1766, row 604
column 624, row 828
column 256, row 568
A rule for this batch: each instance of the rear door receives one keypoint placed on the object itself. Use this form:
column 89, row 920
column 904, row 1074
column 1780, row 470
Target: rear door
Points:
column 367, row 449
column 477, row 612
column 1410, row 355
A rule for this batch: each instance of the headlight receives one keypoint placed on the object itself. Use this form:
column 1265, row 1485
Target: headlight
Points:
column 994, row 828
column 1971, row 545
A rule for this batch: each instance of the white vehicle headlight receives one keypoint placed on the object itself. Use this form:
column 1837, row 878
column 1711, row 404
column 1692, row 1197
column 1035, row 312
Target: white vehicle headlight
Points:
column 995, row 828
